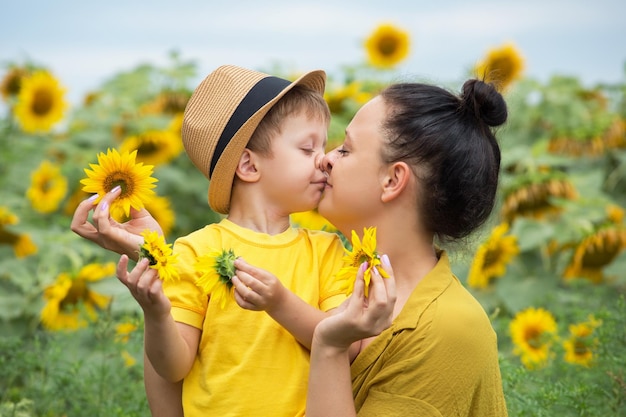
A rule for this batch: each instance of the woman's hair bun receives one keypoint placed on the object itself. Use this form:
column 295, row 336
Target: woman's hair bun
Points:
column 484, row 102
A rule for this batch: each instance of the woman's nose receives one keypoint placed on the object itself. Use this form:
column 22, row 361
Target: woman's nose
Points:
column 327, row 161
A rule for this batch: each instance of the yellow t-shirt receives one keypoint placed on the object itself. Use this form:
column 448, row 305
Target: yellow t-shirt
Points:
column 247, row 364
column 438, row 358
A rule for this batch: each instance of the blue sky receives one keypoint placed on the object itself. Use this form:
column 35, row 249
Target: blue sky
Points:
column 85, row 42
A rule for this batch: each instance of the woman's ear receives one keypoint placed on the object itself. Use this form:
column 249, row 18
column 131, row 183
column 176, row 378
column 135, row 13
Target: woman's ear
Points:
column 246, row 168
column 396, row 179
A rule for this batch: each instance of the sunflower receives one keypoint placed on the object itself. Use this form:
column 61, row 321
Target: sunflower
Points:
column 362, row 251
column 47, row 188
column 154, row 146
column 41, row 103
column 120, row 169
column 22, row 244
column 160, row 208
column 129, row 360
column 167, row 102
column 312, row 220
column 387, row 46
column 216, row 269
column 579, row 348
column 532, row 331
column 614, row 137
column 159, row 254
column 339, row 98
column 501, row 66
column 70, row 295
column 12, row 82
column 492, row 257
column 595, row 252
column 124, row 330
column 532, row 198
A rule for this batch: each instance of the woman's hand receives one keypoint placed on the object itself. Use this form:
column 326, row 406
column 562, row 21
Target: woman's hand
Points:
column 122, row 238
column 359, row 316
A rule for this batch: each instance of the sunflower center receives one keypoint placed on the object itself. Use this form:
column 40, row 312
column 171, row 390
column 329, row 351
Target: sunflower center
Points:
column 121, row 179
column 8, row 237
column 77, row 292
column 388, row 45
column 599, row 258
column 42, row 102
column 533, row 337
column 147, row 148
column 492, row 257
column 580, row 347
column 13, row 84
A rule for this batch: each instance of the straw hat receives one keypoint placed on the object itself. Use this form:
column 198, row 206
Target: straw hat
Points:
column 221, row 115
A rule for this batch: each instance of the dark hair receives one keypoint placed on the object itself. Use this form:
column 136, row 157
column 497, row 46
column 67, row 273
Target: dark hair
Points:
column 449, row 143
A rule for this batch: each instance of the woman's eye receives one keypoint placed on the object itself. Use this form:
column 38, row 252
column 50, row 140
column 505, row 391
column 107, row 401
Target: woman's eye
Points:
column 342, row 151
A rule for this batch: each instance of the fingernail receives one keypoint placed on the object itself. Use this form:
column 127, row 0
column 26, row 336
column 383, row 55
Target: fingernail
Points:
column 115, row 189
column 93, row 197
column 385, row 260
column 363, row 267
column 376, row 271
column 104, row 206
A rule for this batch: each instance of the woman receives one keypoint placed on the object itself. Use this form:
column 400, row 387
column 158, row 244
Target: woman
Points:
column 418, row 163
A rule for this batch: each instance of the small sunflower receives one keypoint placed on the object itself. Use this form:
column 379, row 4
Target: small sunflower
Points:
column 492, row 257
column 159, row 254
column 40, row 103
column 21, row 243
column 312, row 220
column 48, row 187
column 591, row 145
column 533, row 332
column 120, row 169
column 595, row 252
column 501, row 66
column 387, row 46
column 167, row 102
column 129, row 360
column 339, row 99
column 579, row 348
column 154, row 146
column 124, row 330
column 362, row 251
column 70, row 295
column 12, row 82
column 216, row 269
column 532, row 197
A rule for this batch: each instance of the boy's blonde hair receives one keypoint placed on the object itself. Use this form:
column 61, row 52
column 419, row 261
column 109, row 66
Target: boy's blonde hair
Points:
column 296, row 101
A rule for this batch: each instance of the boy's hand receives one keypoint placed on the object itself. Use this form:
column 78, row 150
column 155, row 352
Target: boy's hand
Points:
column 255, row 288
column 145, row 286
column 122, row 238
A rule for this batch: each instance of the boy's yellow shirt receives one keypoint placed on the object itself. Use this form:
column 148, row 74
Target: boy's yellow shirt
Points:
column 247, row 364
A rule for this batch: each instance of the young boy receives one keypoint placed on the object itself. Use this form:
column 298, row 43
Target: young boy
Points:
column 259, row 140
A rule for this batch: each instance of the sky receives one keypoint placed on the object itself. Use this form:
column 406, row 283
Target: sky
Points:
column 84, row 43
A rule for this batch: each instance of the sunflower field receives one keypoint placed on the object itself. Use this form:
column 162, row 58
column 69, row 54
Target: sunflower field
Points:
column 549, row 267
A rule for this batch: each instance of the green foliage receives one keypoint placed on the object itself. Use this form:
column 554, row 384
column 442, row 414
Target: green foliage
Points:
column 69, row 374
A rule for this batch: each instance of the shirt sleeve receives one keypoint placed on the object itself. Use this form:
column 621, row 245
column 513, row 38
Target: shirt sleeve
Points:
column 331, row 260
column 189, row 304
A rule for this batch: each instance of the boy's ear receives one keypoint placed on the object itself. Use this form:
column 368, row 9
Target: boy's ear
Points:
column 395, row 180
column 246, row 168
